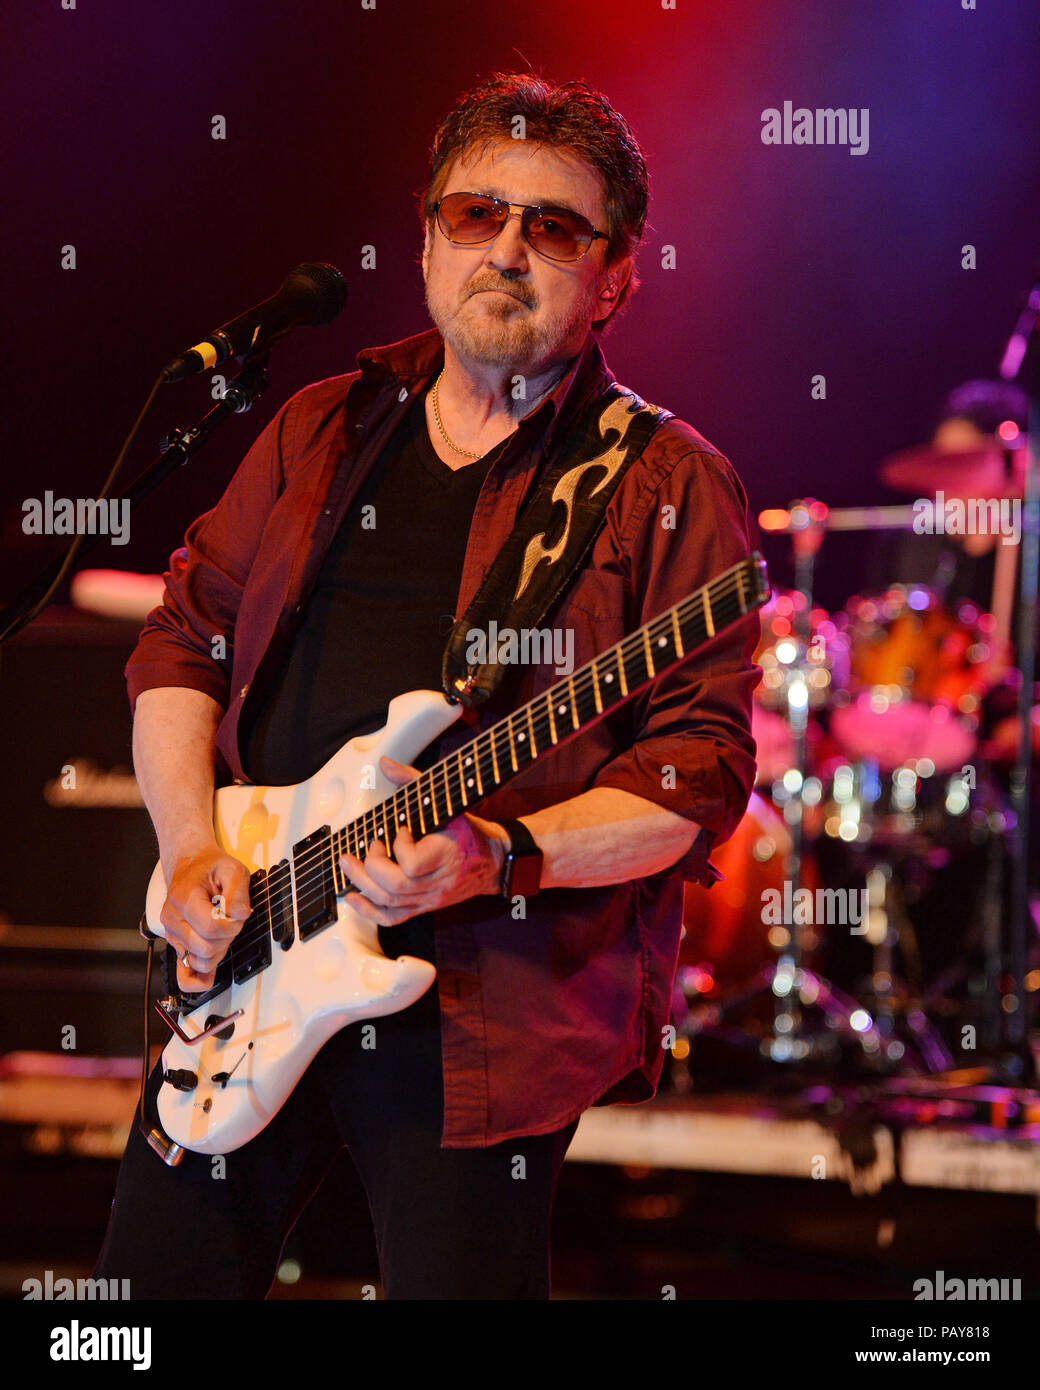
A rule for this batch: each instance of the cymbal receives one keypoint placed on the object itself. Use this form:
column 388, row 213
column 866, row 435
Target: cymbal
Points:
column 972, row 473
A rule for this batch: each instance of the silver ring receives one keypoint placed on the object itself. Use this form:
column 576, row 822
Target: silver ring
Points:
column 184, row 961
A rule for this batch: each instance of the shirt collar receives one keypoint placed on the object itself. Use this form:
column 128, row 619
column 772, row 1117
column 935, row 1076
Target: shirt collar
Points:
column 416, row 359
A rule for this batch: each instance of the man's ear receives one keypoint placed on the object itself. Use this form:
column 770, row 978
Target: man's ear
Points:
column 616, row 277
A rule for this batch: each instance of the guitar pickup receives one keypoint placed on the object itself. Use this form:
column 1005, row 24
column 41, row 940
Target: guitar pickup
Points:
column 280, row 905
column 322, row 913
column 251, row 949
column 249, row 960
column 315, row 882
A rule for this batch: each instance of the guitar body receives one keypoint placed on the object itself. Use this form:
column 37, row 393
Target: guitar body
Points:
column 317, row 985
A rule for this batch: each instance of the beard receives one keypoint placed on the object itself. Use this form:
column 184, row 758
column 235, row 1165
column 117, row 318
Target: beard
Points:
column 502, row 332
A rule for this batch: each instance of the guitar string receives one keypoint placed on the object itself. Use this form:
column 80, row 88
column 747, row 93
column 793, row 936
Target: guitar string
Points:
column 370, row 819
column 310, row 893
column 583, row 683
column 571, row 693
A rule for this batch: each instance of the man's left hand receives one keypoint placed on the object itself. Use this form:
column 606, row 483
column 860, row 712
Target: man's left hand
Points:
column 457, row 862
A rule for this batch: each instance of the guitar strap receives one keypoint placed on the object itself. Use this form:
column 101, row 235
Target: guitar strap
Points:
column 551, row 538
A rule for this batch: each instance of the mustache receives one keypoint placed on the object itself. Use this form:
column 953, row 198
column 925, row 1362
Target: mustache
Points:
column 505, row 286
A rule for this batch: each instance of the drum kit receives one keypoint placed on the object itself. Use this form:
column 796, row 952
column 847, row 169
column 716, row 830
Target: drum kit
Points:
column 874, row 845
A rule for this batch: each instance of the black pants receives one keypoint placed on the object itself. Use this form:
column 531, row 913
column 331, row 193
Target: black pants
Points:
column 449, row 1223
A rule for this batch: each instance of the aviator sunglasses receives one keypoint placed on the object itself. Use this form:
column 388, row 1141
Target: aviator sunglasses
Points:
column 471, row 219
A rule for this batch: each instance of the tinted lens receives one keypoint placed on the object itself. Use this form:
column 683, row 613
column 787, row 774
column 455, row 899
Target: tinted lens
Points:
column 557, row 233
column 466, row 217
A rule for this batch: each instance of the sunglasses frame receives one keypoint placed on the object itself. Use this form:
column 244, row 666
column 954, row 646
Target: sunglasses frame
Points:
column 527, row 213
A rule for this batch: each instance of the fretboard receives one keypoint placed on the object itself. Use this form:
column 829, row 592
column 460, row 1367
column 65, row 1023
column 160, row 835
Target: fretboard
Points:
column 478, row 767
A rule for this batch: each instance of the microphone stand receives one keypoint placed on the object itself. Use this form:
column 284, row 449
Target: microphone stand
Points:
column 176, row 449
column 806, row 539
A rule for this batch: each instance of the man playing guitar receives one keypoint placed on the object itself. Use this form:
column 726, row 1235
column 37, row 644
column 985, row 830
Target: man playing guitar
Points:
column 357, row 528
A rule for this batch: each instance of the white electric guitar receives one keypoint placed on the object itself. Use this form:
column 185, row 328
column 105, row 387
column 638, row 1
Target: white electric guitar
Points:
column 305, row 963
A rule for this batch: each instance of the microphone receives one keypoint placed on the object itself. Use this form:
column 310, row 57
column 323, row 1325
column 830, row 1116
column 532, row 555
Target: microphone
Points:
column 313, row 293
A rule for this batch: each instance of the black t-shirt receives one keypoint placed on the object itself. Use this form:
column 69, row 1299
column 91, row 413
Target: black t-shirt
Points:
column 379, row 616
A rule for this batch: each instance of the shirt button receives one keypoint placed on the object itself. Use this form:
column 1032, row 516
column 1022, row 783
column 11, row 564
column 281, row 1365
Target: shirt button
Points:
column 243, row 692
column 402, row 395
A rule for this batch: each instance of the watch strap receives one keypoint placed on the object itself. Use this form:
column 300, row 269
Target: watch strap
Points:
column 522, row 870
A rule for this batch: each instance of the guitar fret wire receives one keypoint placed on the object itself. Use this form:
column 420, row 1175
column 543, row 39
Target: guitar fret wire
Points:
column 648, row 654
column 676, row 634
column 709, row 621
column 554, row 737
column 462, row 779
column 337, row 872
column 728, row 586
column 494, row 754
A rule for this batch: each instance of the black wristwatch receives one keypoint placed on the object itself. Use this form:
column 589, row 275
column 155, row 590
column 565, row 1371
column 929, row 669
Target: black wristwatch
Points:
column 522, row 870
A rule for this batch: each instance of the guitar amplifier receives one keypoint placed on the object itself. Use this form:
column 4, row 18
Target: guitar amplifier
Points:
column 77, row 847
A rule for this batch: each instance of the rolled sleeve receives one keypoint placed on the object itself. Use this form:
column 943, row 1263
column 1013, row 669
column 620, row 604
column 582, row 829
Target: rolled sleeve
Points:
column 693, row 752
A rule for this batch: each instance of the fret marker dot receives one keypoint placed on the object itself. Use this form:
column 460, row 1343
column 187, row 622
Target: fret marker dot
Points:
column 520, row 738
column 561, row 709
column 609, row 676
column 662, row 642
column 468, row 761
column 426, row 801
column 469, row 781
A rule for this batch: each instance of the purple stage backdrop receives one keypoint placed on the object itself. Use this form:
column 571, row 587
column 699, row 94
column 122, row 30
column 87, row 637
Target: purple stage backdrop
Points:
column 167, row 164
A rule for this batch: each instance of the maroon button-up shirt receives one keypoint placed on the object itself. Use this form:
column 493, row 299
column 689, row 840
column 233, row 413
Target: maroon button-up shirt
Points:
column 545, row 1016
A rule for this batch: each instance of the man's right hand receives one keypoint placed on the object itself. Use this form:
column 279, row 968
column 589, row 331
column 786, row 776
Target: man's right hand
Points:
column 207, row 900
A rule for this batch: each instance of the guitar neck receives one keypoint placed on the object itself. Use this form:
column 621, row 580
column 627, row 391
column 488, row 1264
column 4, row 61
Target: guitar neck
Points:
column 487, row 761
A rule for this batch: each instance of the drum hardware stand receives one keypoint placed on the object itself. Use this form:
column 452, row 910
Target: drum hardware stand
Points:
column 992, row 903
column 986, row 934
column 1017, row 1064
column 792, row 986
column 841, row 1012
column 806, row 539
column 881, row 930
column 888, row 921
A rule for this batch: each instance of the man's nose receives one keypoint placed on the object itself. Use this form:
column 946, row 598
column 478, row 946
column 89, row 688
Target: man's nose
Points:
column 509, row 249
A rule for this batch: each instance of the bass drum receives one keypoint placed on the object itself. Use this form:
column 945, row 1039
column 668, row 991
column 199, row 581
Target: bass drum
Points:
column 725, row 941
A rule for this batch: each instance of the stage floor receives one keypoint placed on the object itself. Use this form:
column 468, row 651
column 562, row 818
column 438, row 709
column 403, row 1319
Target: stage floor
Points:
column 733, row 1195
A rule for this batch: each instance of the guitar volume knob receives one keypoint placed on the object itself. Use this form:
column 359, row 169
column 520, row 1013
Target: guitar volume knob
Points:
column 181, row 1080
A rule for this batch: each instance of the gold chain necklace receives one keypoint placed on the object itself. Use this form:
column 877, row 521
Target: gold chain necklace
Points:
column 444, row 434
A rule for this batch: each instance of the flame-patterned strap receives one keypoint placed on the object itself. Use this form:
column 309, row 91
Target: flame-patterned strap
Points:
column 553, row 534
